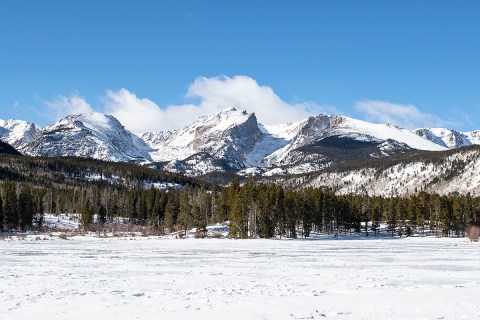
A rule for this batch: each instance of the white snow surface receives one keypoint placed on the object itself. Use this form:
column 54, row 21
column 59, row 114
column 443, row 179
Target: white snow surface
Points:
column 388, row 131
column 147, row 278
column 285, row 131
column 62, row 221
column 473, row 136
column 449, row 137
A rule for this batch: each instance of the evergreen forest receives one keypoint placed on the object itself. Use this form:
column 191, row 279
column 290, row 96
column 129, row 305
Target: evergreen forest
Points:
column 31, row 187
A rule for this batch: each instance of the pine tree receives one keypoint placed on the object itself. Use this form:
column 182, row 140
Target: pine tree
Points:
column 10, row 210
column 26, row 207
column 366, row 211
column 412, row 215
column 102, row 215
column 468, row 209
column 290, row 214
column 267, row 213
column 39, row 216
column 185, row 211
column 391, row 216
column 171, row 211
column 377, row 205
column 446, row 216
column 280, row 219
column 86, row 215
column 142, row 209
column 224, row 208
column 238, row 215
column 458, row 215
column 1, row 213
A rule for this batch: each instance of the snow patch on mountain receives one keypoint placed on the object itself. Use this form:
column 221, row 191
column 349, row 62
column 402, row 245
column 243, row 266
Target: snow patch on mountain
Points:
column 312, row 131
column 93, row 135
column 17, row 133
column 229, row 134
column 385, row 132
column 232, row 141
column 473, row 136
column 446, row 137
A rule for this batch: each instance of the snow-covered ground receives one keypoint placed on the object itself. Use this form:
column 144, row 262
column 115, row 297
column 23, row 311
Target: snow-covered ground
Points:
column 147, row 278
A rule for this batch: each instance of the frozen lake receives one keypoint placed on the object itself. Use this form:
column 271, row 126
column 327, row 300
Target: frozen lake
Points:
column 240, row 279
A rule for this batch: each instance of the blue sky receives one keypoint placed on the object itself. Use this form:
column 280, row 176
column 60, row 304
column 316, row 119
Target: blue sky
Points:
column 414, row 63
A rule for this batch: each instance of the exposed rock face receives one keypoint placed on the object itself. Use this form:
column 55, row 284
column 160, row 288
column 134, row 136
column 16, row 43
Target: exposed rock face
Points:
column 448, row 138
column 229, row 135
column 323, row 140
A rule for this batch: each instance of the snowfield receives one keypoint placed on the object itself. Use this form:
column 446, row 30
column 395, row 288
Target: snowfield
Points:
column 148, row 278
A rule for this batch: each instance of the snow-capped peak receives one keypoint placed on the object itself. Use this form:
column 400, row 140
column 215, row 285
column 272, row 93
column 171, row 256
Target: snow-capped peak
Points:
column 229, row 133
column 92, row 135
column 448, row 137
column 231, row 139
column 387, row 131
column 17, row 133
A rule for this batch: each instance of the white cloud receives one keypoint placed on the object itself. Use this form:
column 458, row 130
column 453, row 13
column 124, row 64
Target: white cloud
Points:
column 204, row 96
column 404, row 115
column 210, row 95
column 136, row 114
column 243, row 92
column 63, row 106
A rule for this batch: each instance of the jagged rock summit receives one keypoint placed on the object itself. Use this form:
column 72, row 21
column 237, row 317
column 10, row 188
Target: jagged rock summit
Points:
column 449, row 138
column 230, row 141
column 229, row 135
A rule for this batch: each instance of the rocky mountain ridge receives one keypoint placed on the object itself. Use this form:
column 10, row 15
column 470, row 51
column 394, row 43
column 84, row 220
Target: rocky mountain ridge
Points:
column 449, row 138
column 230, row 141
column 89, row 135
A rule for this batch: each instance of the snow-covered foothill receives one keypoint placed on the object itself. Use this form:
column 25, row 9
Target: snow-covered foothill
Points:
column 457, row 172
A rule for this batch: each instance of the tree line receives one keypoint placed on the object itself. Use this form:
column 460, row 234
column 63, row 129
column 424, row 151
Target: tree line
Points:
column 253, row 209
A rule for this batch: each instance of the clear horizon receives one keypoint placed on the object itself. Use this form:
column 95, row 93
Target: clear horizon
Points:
column 161, row 65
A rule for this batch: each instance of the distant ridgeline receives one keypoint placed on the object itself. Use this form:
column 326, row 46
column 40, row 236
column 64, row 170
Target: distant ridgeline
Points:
column 163, row 202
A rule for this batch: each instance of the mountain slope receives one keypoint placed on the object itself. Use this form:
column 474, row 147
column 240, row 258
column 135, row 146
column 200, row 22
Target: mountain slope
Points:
column 5, row 148
column 445, row 137
column 92, row 135
column 323, row 140
column 17, row 133
column 440, row 172
column 229, row 135
column 231, row 141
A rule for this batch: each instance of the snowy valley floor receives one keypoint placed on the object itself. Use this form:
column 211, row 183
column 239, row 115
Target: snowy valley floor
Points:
column 92, row 278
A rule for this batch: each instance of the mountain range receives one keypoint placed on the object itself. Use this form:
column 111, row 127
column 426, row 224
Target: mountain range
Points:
column 231, row 141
